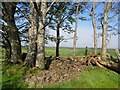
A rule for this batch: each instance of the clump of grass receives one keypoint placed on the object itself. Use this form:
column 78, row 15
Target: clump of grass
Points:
column 92, row 78
column 12, row 77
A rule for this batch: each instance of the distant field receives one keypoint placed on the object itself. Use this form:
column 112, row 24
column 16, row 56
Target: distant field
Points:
column 67, row 52
column 64, row 52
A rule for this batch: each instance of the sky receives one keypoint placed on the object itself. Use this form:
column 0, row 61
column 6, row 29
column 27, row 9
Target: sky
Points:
column 85, row 38
column 85, row 35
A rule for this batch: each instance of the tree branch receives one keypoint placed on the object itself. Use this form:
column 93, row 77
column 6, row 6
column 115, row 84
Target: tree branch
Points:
column 22, row 12
column 50, row 6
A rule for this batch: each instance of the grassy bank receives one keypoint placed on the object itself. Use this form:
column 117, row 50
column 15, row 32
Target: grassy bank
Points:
column 92, row 78
column 12, row 75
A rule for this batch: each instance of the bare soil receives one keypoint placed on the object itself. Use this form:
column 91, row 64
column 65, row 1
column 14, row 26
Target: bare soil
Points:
column 59, row 71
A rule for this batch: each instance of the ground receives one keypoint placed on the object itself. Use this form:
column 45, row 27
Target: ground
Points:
column 62, row 73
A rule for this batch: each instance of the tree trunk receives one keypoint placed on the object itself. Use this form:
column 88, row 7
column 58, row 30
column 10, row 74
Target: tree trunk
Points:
column 75, row 32
column 6, row 43
column 58, row 39
column 7, row 46
column 95, row 60
column 40, row 38
column 117, row 54
column 110, row 65
column 58, row 29
column 15, row 44
column 94, row 28
column 8, row 16
column 104, row 46
column 8, row 51
column 32, row 48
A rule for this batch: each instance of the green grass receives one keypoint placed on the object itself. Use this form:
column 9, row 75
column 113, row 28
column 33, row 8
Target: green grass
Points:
column 92, row 78
column 24, row 49
column 12, row 75
column 64, row 52
column 67, row 52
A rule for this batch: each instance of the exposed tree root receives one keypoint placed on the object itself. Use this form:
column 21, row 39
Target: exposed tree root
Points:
column 94, row 59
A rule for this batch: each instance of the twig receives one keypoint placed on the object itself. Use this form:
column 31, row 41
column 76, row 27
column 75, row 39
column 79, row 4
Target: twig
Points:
column 50, row 6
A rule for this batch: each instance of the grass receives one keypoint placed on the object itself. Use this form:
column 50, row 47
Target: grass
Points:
column 12, row 75
column 92, row 78
column 67, row 52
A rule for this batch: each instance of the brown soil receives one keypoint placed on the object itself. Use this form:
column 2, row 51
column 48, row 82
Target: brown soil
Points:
column 59, row 71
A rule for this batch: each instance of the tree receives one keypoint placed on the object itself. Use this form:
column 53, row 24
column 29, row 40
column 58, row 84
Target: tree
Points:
column 6, row 43
column 41, row 11
column 61, row 16
column 41, row 37
column 22, row 21
column 8, row 16
column 74, row 44
column 107, row 7
column 62, row 19
column 32, row 47
column 94, row 27
column 112, row 28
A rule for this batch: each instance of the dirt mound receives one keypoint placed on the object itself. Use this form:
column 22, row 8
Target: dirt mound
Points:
column 59, row 71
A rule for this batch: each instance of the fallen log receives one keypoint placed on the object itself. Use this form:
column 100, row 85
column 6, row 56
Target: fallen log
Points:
column 101, row 66
column 111, row 65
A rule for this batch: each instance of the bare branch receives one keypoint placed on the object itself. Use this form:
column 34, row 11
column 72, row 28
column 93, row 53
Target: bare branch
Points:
column 22, row 13
column 50, row 6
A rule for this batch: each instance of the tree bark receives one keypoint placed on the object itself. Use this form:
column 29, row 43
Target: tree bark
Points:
column 110, row 65
column 117, row 54
column 95, row 60
column 94, row 28
column 40, row 38
column 8, row 51
column 104, row 46
column 15, row 44
column 75, row 32
column 6, row 43
column 32, row 48
column 58, row 28
column 58, row 39
column 8, row 12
